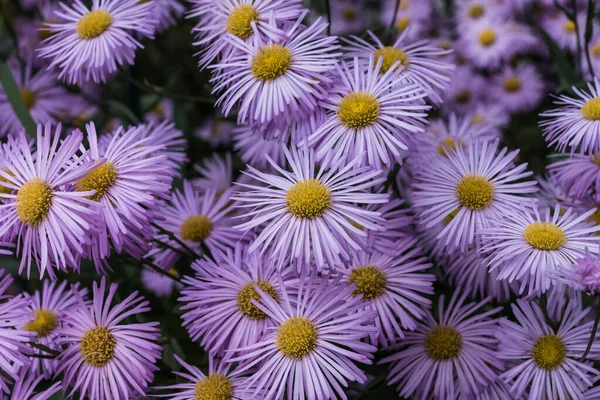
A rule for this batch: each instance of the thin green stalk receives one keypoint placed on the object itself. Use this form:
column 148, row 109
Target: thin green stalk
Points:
column 589, row 31
column 158, row 269
column 575, row 21
column 14, row 98
column 593, row 334
column 392, row 26
column 45, row 349
column 328, row 11
column 177, row 240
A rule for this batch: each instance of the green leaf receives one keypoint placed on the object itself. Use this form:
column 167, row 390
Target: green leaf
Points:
column 14, row 98
column 566, row 73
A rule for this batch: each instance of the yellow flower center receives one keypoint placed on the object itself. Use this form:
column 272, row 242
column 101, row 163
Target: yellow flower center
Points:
column 475, row 11
column 94, row 24
column 272, row 61
column 100, row 179
column 463, row 96
column 595, row 217
column 45, row 322
column 596, row 50
column 570, row 26
column 512, row 84
column 544, row 236
column 97, row 346
column 487, row 37
column 449, row 143
column 34, row 199
column 349, row 13
column 443, row 343
column 549, row 352
column 475, row 191
column 196, row 228
column 358, row 109
column 402, row 24
column 591, row 109
column 308, row 199
column 239, row 22
column 213, row 387
column 248, row 292
column 478, row 119
column 370, row 281
column 390, row 55
column 28, row 98
column 296, row 337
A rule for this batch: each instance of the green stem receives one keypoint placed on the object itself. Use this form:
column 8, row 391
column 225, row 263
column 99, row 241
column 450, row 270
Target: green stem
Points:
column 391, row 28
column 177, row 240
column 45, row 349
column 593, row 334
column 158, row 269
column 575, row 20
column 589, row 30
column 12, row 33
column 328, row 11
column 13, row 93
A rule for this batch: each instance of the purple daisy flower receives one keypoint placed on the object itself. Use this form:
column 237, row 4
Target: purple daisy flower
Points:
column 458, row 346
column 270, row 79
column 394, row 286
column 488, row 117
column 577, row 174
column 13, row 315
column 216, row 131
column 104, row 359
column 369, row 114
column 584, row 274
column 215, row 173
column 126, row 185
column 163, row 110
column 348, row 16
column 472, row 184
column 172, row 142
column 48, row 307
column 412, row 17
column 420, row 61
column 25, row 386
column 518, row 89
column 563, row 29
column 165, row 13
column 218, row 305
column 471, row 11
column 309, row 215
column 253, row 148
column 91, row 43
column 198, row 219
column 51, row 224
column 466, row 90
column 576, row 123
column 542, row 362
column 312, row 349
column 527, row 245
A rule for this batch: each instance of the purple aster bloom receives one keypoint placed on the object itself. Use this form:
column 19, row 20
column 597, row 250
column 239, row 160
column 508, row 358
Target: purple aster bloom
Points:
column 317, row 339
column 50, row 222
column 253, row 148
column 467, row 89
column 551, row 193
column 458, row 346
column 420, row 61
column 527, row 243
column 577, row 174
column 270, row 79
column 165, row 13
column 221, row 383
column 126, row 185
column 172, row 142
column 25, row 386
column 249, row 21
column 215, row 173
column 518, row 89
column 488, row 117
column 41, row 94
column 584, row 274
column 105, row 359
column 369, row 114
column 163, row 110
column 413, row 16
column 218, row 305
column 198, row 219
column 348, row 16
column 216, row 131
column 471, row 11
column 394, row 286
column 576, row 123
column 158, row 284
column 542, row 362
column 309, row 215
column 91, row 43
column 48, row 307
column 563, row 30
column 472, row 185
column 13, row 315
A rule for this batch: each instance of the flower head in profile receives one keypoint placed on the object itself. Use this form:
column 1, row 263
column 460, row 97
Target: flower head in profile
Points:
column 577, row 174
column 215, row 173
column 457, row 346
column 303, row 215
column 101, row 350
column 542, row 362
column 216, row 131
column 318, row 329
column 165, row 13
column 89, row 44
column 518, row 89
column 584, row 274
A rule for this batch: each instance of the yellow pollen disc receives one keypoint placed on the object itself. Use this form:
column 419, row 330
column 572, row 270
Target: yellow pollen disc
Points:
column 390, row 56
column 463, row 96
column 544, row 236
column 97, row 346
column 34, row 199
column 45, row 322
column 4, row 189
column 358, row 110
column 487, row 37
column 475, row 11
column 28, row 98
column 475, row 191
column 272, row 61
column 591, row 109
column 213, row 387
column 196, row 228
column 94, row 24
column 477, row 119
column 404, row 4
column 100, row 179
column 296, row 337
column 248, row 292
column 239, row 22
column 443, row 343
column 402, row 24
column 570, row 26
column 349, row 13
column 512, row 84
column 370, row 281
column 595, row 217
column 449, row 143
column 596, row 50
column 448, row 218
column 308, row 199
column 549, row 352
